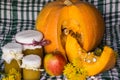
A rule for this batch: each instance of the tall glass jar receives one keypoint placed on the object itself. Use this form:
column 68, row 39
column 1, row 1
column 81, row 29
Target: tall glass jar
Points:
column 31, row 67
column 12, row 55
column 31, row 41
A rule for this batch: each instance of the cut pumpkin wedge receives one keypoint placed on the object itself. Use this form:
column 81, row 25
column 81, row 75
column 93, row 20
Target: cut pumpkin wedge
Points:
column 104, row 62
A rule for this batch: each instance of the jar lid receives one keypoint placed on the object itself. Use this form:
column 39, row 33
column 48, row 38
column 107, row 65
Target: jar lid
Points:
column 31, row 62
column 28, row 36
column 11, row 51
column 12, row 47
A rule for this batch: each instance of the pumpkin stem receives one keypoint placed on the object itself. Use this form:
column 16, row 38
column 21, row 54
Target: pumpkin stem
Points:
column 68, row 2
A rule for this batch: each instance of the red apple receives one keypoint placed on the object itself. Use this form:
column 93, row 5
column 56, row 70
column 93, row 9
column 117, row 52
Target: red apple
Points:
column 54, row 63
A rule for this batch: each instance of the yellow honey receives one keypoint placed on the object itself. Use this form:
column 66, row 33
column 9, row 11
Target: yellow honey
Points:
column 12, row 55
column 31, row 67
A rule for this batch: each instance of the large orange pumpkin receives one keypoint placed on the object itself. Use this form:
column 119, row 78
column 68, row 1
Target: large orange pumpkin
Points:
column 80, row 19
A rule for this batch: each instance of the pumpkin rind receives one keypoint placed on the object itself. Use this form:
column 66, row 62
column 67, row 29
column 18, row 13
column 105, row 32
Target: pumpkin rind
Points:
column 92, row 26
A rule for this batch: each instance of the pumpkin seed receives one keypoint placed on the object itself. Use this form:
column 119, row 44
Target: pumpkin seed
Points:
column 94, row 59
column 66, row 31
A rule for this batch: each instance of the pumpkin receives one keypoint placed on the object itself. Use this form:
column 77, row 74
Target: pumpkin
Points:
column 75, row 28
column 62, row 17
column 92, row 63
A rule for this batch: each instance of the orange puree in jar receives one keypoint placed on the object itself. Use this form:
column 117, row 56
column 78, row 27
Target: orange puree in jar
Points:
column 31, row 67
column 12, row 64
column 33, row 75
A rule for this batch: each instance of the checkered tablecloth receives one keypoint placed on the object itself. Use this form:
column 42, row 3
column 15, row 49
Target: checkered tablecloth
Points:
column 18, row 15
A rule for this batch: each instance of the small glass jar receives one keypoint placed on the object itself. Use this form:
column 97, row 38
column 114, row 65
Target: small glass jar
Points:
column 31, row 67
column 30, row 39
column 12, row 55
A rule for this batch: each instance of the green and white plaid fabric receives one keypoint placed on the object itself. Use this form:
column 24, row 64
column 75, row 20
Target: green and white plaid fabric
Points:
column 18, row 15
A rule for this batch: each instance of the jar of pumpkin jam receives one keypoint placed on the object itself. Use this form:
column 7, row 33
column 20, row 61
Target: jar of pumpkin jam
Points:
column 12, row 55
column 31, row 41
column 31, row 67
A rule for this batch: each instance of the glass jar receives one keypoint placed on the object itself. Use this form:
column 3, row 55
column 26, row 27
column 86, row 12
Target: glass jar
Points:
column 31, row 41
column 31, row 67
column 12, row 55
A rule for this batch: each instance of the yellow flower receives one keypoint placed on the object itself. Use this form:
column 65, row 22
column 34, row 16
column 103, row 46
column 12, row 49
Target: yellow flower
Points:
column 12, row 75
column 75, row 70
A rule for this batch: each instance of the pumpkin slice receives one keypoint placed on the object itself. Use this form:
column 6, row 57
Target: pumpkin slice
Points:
column 105, row 62
column 72, row 48
column 98, row 64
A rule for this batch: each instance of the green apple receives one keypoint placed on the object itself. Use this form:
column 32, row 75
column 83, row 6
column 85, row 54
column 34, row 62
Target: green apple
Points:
column 54, row 63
